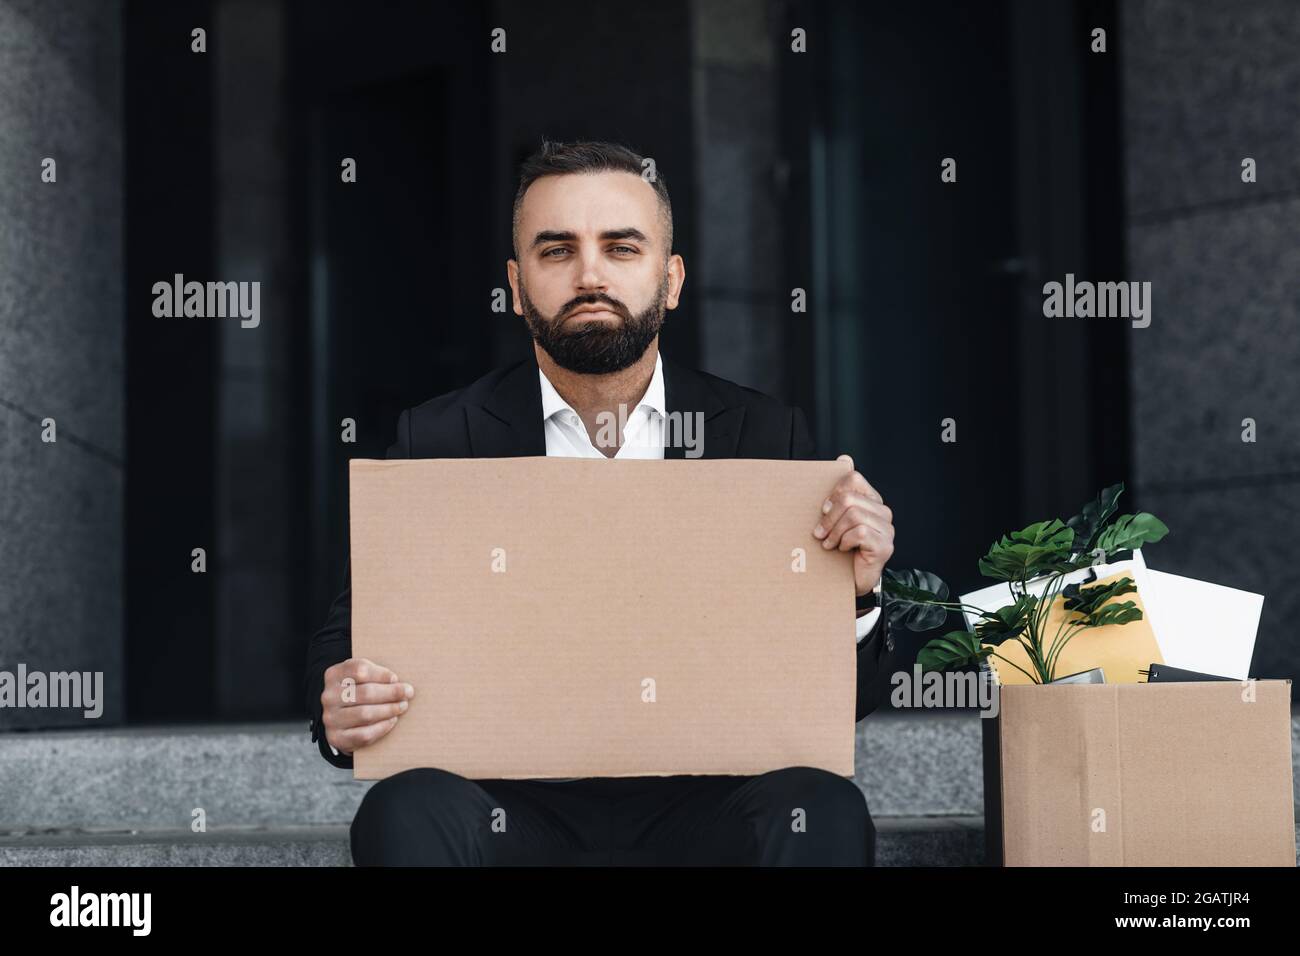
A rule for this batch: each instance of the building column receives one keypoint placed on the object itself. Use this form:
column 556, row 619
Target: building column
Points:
column 61, row 349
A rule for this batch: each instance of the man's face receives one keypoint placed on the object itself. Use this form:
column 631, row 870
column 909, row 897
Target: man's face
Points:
column 593, row 278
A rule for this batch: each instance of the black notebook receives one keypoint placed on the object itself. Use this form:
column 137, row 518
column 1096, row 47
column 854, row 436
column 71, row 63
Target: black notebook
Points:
column 1162, row 673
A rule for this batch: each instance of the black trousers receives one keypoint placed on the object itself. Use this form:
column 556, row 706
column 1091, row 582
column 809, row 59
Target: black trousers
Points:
column 796, row 816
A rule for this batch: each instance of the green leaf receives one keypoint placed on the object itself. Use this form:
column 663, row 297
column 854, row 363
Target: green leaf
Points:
column 1088, row 523
column 910, row 598
column 1124, row 613
column 954, row 649
column 1007, row 622
column 1086, row 600
column 1132, row 531
column 1041, row 548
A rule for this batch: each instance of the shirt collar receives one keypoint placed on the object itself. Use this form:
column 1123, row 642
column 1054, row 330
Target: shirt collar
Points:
column 653, row 397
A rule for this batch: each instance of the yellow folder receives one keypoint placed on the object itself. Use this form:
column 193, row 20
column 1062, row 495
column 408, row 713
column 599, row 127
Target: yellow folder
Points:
column 1119, row 649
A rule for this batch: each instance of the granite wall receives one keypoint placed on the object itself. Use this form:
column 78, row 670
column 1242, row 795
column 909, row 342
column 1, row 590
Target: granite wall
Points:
column 61, row 354
column 1205, row 86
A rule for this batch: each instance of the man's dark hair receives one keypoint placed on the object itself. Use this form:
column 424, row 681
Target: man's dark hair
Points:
column 562, row 159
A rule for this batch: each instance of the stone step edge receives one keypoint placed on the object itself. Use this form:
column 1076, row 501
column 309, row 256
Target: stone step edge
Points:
column 106, row 836
column 225, row 835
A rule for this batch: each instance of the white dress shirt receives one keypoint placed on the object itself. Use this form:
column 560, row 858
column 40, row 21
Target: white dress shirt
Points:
column 643, row 434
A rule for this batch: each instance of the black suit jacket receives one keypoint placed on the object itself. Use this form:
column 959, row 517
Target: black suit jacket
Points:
column 500, row 416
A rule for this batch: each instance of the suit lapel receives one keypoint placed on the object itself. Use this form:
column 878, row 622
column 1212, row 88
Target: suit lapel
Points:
column 509, row 424
column 687, row 392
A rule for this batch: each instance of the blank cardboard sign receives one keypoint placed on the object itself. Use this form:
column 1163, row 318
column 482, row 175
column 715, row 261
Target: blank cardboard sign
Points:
column 564, row 617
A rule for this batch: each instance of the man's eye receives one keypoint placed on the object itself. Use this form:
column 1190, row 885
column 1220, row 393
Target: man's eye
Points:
column 624, row 249
column 556, row 249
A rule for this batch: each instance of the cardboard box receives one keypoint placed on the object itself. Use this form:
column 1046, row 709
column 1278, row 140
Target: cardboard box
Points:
column 565, row 617
column 1178, row 774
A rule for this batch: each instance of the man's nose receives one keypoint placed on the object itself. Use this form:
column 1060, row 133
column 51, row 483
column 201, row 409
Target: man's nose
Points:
column 591, row 275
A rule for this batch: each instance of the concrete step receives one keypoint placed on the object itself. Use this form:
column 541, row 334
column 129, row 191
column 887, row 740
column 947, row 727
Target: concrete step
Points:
column 127, row 796
column 271, row 775
column 229, row 846
column 900, row 841
column 926, row 764
column 153, row 778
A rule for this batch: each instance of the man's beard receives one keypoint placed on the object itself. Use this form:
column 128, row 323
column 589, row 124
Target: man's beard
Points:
column 596, row 347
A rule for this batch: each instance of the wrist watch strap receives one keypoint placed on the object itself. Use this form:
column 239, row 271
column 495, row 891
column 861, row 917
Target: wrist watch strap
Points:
column 872, row 598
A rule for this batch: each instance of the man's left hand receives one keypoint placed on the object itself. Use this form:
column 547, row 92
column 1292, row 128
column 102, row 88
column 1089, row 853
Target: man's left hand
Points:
column 855, row 518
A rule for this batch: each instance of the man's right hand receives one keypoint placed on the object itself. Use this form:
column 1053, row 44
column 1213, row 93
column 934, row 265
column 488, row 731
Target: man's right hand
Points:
column 360, row 703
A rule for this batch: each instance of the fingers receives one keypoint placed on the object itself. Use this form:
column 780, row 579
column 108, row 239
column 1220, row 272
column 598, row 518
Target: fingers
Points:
column 360, row 703
column 868, row 537
column 346, row 741
column 363, row 715
column 854, row 482
column 375, row 694
column 854, row 515
column 384, row 689
column 362, row 671
column 849, row 511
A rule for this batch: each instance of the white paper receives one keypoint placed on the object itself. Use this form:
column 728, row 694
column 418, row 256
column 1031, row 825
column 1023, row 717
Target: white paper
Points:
column 1202, row 626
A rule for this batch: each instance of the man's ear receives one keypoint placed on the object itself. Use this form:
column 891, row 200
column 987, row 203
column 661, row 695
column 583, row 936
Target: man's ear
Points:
column 676, row 279
column 512, row 274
